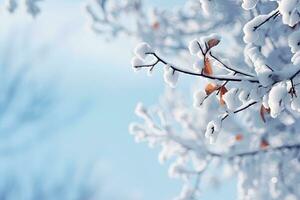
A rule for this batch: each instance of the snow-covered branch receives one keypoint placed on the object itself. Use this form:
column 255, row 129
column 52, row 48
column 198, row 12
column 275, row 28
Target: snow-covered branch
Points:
column 252, row 76
column 167, row 30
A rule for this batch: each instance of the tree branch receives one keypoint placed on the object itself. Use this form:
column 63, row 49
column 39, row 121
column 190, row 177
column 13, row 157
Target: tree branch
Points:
column 229, row 68
column 253, row 153
column 274, row 15
column 220, row 78
column 240, row 109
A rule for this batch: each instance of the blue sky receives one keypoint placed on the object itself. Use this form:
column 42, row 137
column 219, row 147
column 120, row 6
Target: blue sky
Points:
column 90, row 70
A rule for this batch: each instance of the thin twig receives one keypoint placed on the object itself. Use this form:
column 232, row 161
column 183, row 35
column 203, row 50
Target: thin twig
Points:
column 220, row 78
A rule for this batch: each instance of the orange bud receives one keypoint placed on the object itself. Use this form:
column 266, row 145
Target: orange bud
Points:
column 223, row 90
column 264, row 144
column 210, row 88
column 239, row 137
column 207, row 67
column 155, row 25
column 212, row 42
column 264, row 110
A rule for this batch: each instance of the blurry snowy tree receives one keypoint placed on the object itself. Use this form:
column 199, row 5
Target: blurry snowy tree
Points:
column 245, row 120
column 31, row 6
column 66, row 182
column 32, row 111
column 26, row 103
column 163, row 29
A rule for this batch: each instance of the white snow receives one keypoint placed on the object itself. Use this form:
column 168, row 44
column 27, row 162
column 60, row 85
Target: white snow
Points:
column 199, row 97
column 198, row 65
column 207, row 6
column 294, row 41
column 289, row 10
column 194, row 47
column 141, row 50
column 264, row 75
column 136, row 61
column 212, row 130
column 231, row 99
column 253, row 35
column 276, row 98
column 249, row 4
column 170, row 76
